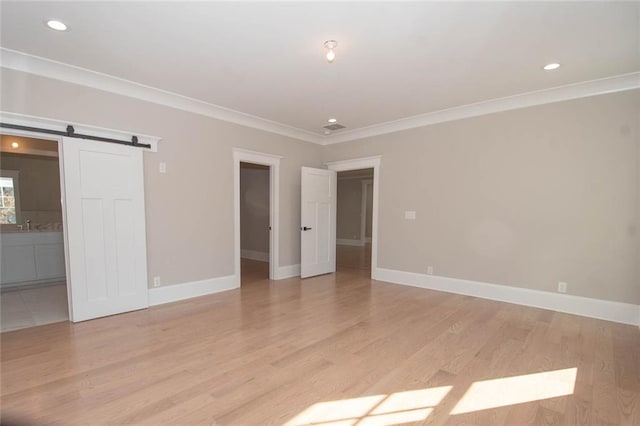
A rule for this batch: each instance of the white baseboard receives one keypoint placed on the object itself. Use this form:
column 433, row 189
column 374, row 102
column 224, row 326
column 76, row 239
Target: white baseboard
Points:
column 288, row 271
column 173, row 293
column 625, row 313
column 254, row 255
column 348, row 242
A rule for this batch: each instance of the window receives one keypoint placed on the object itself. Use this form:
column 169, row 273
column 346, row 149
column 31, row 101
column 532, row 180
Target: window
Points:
column 9, row 202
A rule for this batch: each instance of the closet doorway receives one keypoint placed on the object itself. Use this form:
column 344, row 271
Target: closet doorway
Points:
column 249, row 197
column 255, row 222
column 354, row 221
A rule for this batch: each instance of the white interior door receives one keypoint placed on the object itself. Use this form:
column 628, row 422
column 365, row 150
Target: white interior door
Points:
column 107, row 255
column 318, row 222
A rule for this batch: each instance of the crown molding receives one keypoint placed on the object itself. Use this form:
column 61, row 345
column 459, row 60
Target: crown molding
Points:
column 556, row 94
column 20, row 61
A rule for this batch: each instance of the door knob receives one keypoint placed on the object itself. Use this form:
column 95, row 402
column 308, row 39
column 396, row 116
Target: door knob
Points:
column 306, row 229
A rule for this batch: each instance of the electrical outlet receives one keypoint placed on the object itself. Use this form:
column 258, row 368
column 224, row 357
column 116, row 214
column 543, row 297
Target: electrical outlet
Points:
column 562, row 287
column 156, row 281
column 410, row 215
column 429, row 270
column 163, row 167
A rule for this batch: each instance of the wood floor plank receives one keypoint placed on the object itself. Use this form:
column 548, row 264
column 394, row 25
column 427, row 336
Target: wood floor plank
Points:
column 269, row 352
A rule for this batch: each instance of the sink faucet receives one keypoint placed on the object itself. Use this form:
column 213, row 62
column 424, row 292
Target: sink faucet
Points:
column 28, row 225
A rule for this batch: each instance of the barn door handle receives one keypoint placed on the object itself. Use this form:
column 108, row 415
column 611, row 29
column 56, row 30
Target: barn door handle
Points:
column 306, row 229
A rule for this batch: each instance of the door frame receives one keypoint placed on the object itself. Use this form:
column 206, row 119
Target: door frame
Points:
column 54, row 124
column 63, row 206
column 374, row 163
column 273, row 162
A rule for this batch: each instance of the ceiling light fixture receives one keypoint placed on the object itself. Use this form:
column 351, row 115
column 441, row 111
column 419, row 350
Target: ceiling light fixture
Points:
column 331, row 44
column 551, row 67
column 332, row 120
column 15, row 145
column 56, row 25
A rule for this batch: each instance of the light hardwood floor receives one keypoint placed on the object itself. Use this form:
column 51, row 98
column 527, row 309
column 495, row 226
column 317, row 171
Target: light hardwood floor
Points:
column 336, row 349
column 353, row 257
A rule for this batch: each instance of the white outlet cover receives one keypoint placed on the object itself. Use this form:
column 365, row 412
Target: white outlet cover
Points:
column 156, row 281
column 410, row 214
column 562, row 287
column 163, row 167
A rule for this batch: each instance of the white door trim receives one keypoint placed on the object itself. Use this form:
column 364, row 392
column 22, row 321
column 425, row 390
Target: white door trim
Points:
column 58, row 140
column 273, row 161
column 366, row 163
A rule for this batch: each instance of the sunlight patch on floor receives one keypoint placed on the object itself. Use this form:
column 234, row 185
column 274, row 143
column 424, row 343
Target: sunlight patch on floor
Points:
column 331, row 411
column 517, row 390
column 416, row 405
column 376, row 410
column 398, row 418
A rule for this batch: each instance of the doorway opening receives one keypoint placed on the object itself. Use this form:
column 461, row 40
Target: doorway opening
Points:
column 354, row 222
column 33, row 282
column 252, row 160
column 357, row 165
column 255, row 222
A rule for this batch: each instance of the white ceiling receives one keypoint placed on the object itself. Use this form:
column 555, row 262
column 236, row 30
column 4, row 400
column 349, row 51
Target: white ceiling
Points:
column 394, row 60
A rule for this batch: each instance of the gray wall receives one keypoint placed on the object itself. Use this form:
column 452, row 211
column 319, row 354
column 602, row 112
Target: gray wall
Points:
column 369, row 212
column 191, row 239
column 524, row 198
column 254, row 208
column 349, row 209
column 39, row 186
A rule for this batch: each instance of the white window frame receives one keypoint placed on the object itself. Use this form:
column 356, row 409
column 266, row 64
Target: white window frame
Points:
column 15, row 175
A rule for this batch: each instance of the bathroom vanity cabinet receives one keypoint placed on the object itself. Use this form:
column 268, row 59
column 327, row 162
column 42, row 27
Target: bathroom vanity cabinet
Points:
column 32, row 257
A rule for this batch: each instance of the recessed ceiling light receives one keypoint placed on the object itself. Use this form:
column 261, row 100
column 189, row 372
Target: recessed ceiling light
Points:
column 15, row 145
column 54, row 24
column 551, row 67
column 332, row 120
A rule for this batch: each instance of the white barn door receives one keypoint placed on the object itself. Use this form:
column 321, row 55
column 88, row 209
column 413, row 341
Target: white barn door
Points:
column 318, row 222
column 107, row 254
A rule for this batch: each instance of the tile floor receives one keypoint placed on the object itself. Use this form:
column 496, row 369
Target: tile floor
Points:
column 33, row 306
